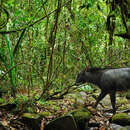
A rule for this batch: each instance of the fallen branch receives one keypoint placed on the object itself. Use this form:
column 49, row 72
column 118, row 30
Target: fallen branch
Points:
column 68, row 90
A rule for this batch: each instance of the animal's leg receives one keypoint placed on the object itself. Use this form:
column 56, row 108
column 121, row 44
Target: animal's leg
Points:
column 100, row 97
column 113, row 100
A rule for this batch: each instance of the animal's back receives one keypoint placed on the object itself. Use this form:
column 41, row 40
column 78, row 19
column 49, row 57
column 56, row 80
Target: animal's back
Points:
column 118, row 79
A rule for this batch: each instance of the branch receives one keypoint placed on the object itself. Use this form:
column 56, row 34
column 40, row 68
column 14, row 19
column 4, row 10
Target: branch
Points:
column 37, row 21
column 123, row 35
column 21, row 64
column 7, row 14
column 18, row 42
column 61, row 96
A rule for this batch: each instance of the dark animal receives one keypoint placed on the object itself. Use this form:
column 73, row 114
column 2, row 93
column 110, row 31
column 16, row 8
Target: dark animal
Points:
column 108, row 80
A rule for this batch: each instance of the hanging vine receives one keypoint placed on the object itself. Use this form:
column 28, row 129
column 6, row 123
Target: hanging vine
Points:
column 123, row 7
column 4, row 17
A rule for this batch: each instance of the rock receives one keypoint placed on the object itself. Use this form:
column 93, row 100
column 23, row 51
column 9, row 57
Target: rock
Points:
column 32, row 120
column 74, row 120
column 122, row 119
column 82, row 117
column 83, row 95
column 80, row 99
column 118, row 127
column 8, row 106
column 126, row 128
column 79, row 103
column 62, row 123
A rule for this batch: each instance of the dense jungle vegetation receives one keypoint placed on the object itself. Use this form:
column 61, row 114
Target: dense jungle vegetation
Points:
column 45, row 43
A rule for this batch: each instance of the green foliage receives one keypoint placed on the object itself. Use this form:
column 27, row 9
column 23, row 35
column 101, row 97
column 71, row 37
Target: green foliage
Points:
column 11, row 64
column 42, row 102
column 21, row 99
column 49, row 104
column 86, row 88
column 128, row 95
column 2, row 101
column 56, row 45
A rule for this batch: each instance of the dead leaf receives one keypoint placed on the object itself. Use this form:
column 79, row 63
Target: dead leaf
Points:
column 102, row 128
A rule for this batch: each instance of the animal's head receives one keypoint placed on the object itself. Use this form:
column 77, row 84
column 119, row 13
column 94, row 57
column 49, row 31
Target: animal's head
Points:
column 80, row 78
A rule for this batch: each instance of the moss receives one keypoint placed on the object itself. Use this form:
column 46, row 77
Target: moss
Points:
column 31, row 115
column 32, row 120
column 81, row 116
column 122, row 101
column 49, row 104
column 121, row 119
column 44, row 114
column 121, row 116
column 55, row 108
column 124, row 107
column 29, row 109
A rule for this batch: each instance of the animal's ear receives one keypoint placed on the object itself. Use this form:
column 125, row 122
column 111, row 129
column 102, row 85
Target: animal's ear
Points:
column 87, row 67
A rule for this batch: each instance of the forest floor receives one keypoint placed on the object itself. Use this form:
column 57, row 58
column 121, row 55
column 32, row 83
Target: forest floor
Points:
column 56, row 108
